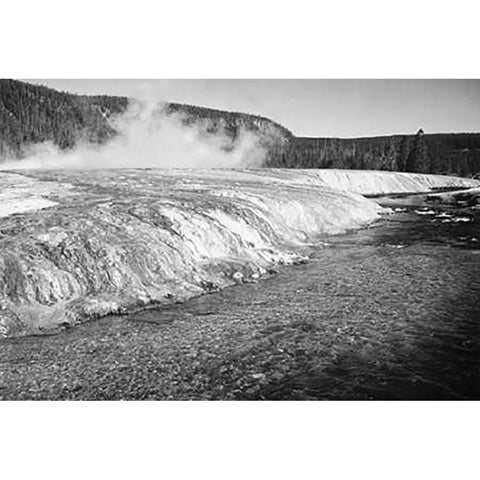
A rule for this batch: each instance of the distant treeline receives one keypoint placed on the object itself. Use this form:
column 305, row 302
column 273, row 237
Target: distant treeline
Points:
column 31, row 114
column 457, row 153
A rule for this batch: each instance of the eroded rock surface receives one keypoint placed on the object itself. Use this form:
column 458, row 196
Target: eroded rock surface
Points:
column 76, row 245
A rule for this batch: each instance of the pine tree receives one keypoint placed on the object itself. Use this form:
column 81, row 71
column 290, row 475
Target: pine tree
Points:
column 418, row 160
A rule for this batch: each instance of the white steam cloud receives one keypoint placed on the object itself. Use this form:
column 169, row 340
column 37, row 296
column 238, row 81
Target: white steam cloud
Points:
column 149, row 137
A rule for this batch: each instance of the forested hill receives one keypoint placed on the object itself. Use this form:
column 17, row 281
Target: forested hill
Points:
column 31, row 114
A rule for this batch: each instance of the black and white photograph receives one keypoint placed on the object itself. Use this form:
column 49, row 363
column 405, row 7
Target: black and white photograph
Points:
column 169, row 250
column 207, row 260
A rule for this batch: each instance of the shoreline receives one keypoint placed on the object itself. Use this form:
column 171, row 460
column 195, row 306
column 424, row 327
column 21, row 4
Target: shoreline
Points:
column 116, row 241
column 344, row 325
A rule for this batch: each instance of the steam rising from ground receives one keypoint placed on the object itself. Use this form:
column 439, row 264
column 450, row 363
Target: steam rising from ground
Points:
column 149, row 137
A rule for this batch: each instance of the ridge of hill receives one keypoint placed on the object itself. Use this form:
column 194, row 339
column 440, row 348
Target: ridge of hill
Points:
column 32, row 114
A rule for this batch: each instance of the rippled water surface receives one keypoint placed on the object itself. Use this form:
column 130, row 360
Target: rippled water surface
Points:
column 389, row 312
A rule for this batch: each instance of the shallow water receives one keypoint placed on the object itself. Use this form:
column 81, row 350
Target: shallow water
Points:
column 388, row 312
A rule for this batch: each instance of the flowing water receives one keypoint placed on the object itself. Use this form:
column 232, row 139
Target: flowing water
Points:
column 387, row 312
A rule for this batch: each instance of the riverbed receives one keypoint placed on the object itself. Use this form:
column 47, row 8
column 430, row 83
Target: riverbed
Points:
column 386, row 312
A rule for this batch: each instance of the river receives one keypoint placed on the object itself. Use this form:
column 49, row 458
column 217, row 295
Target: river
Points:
column 387, row 312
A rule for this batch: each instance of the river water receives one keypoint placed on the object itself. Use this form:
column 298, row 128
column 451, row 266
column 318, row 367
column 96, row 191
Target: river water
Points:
column 388, row 312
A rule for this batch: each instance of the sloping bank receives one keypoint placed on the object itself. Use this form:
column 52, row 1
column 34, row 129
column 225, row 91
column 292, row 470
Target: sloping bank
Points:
column 469, row 196
column 379, row 183
column 77, row 245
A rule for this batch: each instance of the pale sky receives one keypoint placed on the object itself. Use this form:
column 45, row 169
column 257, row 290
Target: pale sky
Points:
column 326, row 108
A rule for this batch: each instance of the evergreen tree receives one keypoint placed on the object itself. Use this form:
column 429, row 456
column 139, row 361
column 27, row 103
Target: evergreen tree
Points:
column 418, row 160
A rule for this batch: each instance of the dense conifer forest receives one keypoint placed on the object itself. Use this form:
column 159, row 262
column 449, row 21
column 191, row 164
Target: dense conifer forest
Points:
column 456, row 153
column 32, row 114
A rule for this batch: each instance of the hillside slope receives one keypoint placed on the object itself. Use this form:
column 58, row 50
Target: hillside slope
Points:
column 31, row 114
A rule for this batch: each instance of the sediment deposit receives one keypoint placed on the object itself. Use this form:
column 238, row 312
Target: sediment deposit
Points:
column 76, row 245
